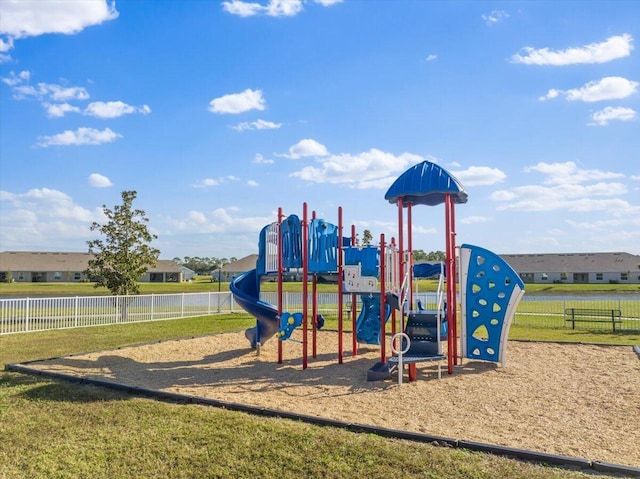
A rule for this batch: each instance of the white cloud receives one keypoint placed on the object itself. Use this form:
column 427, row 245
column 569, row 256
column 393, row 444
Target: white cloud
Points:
column 207, row 183
column 274, row 8
column 221, row 220
column 307, row 147
column 13, row 79
column 82, row 136
column 238, row 102
column 58, row 110
column 5, row 46
column 242, row 9
column 46, row 203
column 618, row 46
column 51, row 91
column 576, row 199
column 328, row 3
column 257, row 125
column 261, row 160
column 28, row 18
column 608, row 88
column 252, row 183
column 610, row 113
column 569, row 173
column 114, row 109
column 45, row 219
column 496, row 16
column 371, row 169
column 480, row 176
column 474, row 220
column 211, row 182
column 99, row 181
column 431, row 57
column 567, row 187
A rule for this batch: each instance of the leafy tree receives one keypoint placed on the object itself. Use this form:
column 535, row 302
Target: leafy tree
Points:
column 367, row 237
column 125, row 254
column 420, row 255
column 202, row 265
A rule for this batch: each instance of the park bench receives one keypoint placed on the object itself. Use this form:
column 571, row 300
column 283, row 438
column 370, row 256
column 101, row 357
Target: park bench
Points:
column 593, row 315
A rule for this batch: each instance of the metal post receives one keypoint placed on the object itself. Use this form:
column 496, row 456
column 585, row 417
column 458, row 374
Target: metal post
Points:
column 280, row 271
column 305, row 286
column 354, row 332
column 340, row 286
column 383, row 336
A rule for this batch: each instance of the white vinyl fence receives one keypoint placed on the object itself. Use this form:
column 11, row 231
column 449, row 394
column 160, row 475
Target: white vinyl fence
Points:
column 21, row 315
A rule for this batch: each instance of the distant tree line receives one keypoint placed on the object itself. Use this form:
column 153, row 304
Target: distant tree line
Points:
column 203, row 265
column 434, row 256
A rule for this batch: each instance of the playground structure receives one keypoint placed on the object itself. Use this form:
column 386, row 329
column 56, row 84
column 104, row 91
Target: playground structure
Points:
column 383, row 276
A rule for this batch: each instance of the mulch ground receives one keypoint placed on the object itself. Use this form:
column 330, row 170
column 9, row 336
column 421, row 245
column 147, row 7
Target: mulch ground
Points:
column 567, row 399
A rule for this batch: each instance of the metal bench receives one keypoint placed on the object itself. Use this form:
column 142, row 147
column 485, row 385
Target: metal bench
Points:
column 593, row 315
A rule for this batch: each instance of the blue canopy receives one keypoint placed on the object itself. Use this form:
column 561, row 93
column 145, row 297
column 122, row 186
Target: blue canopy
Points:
column 426, row 184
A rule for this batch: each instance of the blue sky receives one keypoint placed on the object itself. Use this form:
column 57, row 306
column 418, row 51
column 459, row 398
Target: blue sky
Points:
column 217, row 113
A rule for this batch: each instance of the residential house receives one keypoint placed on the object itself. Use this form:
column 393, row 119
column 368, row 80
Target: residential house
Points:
column 35, row 267
column 591, row 268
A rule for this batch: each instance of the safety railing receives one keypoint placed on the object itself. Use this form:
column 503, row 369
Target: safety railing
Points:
column 21, row 315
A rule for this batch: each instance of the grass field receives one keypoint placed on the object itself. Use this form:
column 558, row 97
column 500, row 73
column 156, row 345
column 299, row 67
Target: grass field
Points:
column 55, row 429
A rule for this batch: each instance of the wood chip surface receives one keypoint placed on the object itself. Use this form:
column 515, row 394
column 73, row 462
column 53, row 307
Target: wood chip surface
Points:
column 568, row 399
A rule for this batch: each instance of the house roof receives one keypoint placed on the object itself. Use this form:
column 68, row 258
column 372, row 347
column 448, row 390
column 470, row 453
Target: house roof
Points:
column 243, row 264
column 40, row 261
column 573, row 262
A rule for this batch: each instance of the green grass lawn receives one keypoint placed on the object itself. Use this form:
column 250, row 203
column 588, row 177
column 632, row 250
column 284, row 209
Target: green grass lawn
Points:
column 56, row 429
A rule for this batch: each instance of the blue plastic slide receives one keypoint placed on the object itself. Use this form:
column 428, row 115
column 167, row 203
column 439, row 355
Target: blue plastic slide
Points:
column 246, row 292
column 368, row 322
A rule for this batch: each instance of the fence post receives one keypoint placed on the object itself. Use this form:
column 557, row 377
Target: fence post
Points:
column 182, row 306
column 75, row 313
column 27, row 319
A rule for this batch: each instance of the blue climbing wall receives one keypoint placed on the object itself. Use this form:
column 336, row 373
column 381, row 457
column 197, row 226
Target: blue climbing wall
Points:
column 490, row 293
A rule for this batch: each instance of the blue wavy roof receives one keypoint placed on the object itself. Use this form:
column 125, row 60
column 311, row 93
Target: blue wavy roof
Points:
column 426, row 184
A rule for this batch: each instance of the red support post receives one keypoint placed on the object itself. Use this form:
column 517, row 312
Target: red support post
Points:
column 451, row 299
column 280, row 271
column 340, row 286
column 305, row 286
column 410, row 250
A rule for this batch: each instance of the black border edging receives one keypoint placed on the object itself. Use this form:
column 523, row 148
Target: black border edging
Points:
column 514, row 453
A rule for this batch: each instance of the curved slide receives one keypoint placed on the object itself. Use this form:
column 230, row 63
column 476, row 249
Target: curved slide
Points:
column 368, row 322
column 246, row 292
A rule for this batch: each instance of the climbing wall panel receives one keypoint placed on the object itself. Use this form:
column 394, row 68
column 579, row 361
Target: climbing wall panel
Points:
column 490, row 293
